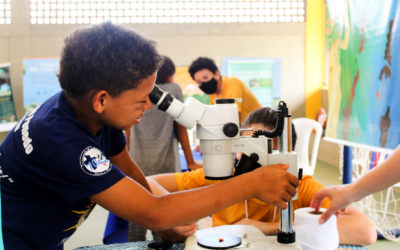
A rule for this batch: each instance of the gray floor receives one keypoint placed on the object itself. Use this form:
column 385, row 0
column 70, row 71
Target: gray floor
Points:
column 92, row 230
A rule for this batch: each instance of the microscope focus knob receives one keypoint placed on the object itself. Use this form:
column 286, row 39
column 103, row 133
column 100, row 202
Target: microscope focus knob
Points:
column 230, row 129
column 254, row 157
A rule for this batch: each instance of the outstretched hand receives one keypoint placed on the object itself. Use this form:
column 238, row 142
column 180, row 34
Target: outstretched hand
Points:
column 275, row 185
column 340, row 197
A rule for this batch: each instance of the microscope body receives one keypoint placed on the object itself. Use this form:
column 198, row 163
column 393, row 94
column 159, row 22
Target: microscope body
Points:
column 217, row 128
column 217, row 131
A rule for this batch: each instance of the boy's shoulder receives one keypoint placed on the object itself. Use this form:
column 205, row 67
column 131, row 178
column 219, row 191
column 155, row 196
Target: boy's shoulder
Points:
column 52, row 121
column 232, row 81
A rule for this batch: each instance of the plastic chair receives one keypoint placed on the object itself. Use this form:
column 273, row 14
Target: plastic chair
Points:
column 304, row 127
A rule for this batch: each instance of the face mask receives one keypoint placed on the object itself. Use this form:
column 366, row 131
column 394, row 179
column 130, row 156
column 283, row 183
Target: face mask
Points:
column 209, row 87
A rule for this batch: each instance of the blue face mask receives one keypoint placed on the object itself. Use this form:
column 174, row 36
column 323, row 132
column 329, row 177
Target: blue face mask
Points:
column 209, row 87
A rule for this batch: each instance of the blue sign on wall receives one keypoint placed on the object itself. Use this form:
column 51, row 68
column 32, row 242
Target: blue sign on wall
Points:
column 261, row 75
column 7, row 107
column 40, row 81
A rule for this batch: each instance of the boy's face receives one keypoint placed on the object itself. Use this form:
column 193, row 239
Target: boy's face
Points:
column 204, row 75
column 127, row 108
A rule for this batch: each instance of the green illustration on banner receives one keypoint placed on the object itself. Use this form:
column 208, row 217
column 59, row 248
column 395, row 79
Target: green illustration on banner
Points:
column 363, row 72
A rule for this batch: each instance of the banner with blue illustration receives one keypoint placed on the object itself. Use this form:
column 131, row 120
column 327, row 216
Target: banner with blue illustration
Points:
column 40, row 81
column 261, row 75
column 7, row 106
column 363, row 70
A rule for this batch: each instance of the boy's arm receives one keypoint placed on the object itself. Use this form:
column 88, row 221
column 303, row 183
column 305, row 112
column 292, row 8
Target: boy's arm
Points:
column 156, row 188
column 355, row 228
column 164, row 181
column 268, row 228
column 178, row 233
column 131, row 201
column 130, row 168
column 183, row 138
column 127, row 165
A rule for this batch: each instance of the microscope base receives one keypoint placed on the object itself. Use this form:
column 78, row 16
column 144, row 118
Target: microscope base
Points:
column 252, row 238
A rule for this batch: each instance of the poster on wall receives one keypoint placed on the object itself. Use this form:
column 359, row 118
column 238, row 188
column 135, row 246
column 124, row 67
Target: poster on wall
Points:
column 7, row 106
column 189, row 86
column 261, row 75
column 363, row 72
column 40, row 81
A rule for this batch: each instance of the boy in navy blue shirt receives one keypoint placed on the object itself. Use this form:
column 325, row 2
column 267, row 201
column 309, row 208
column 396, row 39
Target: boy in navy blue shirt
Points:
column 69, row 153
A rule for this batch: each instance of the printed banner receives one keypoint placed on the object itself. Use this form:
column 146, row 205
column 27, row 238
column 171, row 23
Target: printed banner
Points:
column 363, row 70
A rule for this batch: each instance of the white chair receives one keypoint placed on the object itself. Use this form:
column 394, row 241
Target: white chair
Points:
column 304, row 127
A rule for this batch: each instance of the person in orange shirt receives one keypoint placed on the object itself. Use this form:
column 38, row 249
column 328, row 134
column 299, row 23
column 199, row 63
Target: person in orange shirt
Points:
column 205, row 72
column 354, row 227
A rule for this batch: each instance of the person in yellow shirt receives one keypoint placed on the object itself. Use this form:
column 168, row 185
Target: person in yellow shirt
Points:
column 354, row 227
column 205, row 72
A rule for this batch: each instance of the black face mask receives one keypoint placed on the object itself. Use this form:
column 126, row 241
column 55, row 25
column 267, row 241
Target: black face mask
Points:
column 209, row 87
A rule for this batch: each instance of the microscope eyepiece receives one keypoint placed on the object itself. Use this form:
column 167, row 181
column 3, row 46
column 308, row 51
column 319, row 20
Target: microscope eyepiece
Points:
column 156, row 94
column 224, row 100
column 166, row 102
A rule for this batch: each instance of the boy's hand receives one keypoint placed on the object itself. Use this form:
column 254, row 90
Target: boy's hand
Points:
column 179, row 233
column 274, row 184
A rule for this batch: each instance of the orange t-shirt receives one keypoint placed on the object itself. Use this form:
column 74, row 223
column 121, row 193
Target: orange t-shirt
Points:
column 235, row 88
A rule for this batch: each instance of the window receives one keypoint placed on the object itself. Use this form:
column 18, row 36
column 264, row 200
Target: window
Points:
column 166, row 11
column 5, row 11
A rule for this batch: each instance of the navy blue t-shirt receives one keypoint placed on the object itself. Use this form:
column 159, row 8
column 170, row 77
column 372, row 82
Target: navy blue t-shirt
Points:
column 50, row 163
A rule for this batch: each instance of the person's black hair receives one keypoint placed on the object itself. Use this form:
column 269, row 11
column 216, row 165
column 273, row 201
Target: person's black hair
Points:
column 268, row 117
column 106, row 57
column 166, row 70
column 202, row 63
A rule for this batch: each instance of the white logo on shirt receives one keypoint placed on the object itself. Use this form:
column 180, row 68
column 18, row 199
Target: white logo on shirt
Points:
column 94, row 162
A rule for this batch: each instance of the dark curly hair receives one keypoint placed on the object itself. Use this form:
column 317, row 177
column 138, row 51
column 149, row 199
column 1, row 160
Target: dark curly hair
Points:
column 202, row 63
column 107, row 57
column 166, row 70
column 268, row 117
